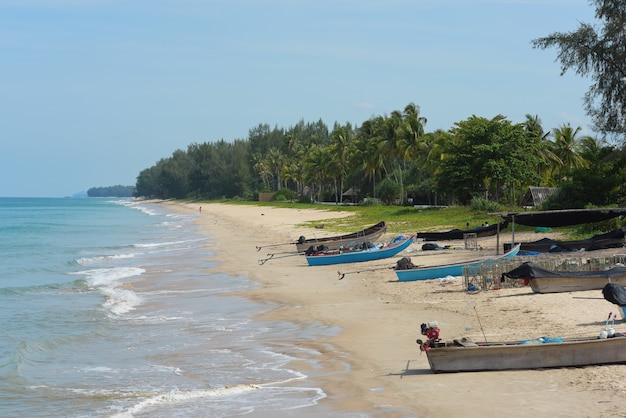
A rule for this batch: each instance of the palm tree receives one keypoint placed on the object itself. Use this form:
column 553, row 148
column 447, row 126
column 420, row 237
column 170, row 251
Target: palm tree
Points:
column 276, row 161
column 341, row 149
column 393, row 146
column 568, row 147
column 550, row 161
column 261, row 167
column 413, row 129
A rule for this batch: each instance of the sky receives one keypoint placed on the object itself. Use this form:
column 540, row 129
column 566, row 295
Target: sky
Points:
column 92, row 92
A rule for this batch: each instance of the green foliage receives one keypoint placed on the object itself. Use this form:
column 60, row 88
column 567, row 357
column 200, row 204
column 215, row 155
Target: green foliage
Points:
column 486, row 155
column 111, row 191
column 481, row 204
column 599, row 185
column 283, row 195
column 388, row 191
column 597, row 50
column 390, row 158
column 371, row 202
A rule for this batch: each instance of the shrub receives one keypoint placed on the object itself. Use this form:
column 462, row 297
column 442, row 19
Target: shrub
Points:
column 388, row 191
column 484, row 205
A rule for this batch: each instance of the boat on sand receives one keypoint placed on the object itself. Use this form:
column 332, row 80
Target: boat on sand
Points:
column 364, row 252
column 541, row 280
column 465, row 355
column 413, row 273
column 370, row 234
column 456, row 234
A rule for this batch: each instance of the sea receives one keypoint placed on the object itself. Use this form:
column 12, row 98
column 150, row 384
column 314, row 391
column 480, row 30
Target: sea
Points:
column 116, row 308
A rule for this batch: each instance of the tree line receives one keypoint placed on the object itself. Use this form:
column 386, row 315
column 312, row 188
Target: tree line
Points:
column 394, row 159
column 111, row 191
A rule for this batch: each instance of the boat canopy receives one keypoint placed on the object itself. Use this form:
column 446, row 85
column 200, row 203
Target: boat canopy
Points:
column 566, row 217
column 530, row 270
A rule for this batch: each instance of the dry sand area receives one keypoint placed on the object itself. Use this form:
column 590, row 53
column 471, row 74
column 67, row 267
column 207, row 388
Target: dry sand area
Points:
column 373, row 365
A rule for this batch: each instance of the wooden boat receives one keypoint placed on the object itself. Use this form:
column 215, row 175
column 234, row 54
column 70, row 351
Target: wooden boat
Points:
column 364, row 253
column 547, row 281
column 454, row 234
column 371, row 234
column 466, row 356
column 443, row 270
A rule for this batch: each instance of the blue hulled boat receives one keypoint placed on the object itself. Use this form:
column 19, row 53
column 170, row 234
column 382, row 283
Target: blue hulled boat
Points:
column 453, row 269
column 325, row 258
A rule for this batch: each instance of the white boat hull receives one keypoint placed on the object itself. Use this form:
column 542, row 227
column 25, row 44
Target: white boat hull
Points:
column 511, row 356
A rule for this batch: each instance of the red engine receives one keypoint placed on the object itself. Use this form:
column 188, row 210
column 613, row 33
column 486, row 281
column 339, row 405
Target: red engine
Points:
column 431, row 331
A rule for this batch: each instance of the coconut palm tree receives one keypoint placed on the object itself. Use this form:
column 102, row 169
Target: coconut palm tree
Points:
column 369, row 144
column 341, row 147
column 568, row 148
column 550, row 161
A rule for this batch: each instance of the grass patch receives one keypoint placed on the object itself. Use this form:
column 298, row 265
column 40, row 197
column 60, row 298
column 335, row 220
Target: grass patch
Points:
column 399, row 219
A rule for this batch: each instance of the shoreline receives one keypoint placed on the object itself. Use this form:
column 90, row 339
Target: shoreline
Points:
column 373, row 366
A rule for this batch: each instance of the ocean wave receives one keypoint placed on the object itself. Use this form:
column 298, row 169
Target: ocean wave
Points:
column 120, row 301
column 174, row 396
column 75, row 285
column 169, row 243
column 84, row 261
column 138, row 206
column 109, row 276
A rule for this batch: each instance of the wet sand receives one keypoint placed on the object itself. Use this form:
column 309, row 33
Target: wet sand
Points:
column 373, row 365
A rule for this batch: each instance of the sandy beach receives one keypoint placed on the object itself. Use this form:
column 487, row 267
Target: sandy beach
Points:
column 373, row 365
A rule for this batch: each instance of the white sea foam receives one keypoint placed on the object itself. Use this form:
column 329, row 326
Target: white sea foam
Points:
column 168, row 243
column 85, row 261
column 109, row 276
column 120, row 301
column 174, row 396
column 137, row 205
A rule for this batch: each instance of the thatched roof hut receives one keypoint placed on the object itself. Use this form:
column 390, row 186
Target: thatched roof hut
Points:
column 535, row 196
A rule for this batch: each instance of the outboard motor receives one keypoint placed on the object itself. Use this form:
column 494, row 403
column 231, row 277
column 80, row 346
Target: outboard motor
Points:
column 431, row 331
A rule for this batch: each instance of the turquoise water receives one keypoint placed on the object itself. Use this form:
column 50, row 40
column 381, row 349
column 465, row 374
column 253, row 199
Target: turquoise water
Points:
column 107, row 309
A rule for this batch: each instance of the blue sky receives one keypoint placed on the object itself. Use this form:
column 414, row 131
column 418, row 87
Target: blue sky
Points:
column 94, row 91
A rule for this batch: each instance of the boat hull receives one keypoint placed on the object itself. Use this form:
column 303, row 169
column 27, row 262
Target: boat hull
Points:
column 359, row 256
column 572, row 353
column 371, row 234
column 456, row 269
column 572, row 284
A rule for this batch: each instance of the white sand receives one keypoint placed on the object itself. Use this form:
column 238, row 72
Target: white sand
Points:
column 381, row 368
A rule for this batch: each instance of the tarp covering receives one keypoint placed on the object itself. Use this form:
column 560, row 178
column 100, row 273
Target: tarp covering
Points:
column 555, row 218
column 613, row 239
column 456, row 234
column 614, row 293
column 530, row 270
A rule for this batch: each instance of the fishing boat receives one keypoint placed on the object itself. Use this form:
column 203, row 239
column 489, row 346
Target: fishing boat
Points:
column 456, row 234
column 613, row 239
column 465, row 355
column 413, row 273
column 364, row 252
column 371, row 234
column 547, row 281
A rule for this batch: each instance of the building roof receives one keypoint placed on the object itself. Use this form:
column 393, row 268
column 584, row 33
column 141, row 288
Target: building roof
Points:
column 535, row 196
